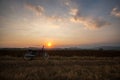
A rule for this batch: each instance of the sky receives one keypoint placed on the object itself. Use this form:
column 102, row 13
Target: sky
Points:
column 63, row 23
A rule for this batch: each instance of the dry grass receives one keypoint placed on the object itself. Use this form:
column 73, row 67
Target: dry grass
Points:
column 60, row 68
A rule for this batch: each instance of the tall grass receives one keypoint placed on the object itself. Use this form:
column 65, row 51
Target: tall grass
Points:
column 60, row 68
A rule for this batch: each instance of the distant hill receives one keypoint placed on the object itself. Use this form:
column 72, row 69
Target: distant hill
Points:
column 70, row 48
column 109, row 47
column 95, row 48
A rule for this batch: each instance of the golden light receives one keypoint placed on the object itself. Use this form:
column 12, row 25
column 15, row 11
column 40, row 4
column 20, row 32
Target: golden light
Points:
column 49, row 44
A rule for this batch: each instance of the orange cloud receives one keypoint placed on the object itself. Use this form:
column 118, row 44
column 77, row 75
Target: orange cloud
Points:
column 37, row 9
column 115, row 12
column 74, row 11
column 88, row 22
column 54, row 18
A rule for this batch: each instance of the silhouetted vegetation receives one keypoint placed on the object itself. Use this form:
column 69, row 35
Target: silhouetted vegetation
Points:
column 67, row 53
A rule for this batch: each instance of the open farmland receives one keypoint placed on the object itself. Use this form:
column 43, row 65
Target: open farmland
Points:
column 59, row 66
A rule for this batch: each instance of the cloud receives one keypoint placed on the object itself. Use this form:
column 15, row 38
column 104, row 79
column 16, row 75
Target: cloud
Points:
column 37, row 9
column 74, row 11
column 70, row 3
column 88, row 22
column 75, row 16
column 115, row 12
column 54, row 18
column 66, row 2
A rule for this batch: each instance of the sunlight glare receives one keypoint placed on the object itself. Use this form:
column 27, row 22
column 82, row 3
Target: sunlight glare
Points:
column 49, row 44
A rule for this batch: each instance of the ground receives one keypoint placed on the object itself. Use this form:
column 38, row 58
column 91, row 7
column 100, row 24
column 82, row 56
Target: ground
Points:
column 60, row 68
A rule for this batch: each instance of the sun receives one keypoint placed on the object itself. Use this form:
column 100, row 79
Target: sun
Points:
column 49, row 44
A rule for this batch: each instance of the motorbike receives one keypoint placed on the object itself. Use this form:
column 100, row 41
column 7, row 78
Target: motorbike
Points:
column 32, row 53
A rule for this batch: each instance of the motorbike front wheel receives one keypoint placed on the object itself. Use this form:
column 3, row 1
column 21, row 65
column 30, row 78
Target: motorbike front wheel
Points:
column 28, row 57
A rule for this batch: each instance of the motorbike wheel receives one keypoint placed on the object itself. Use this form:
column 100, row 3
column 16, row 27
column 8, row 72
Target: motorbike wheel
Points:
column 28, row 58
column 45, row 56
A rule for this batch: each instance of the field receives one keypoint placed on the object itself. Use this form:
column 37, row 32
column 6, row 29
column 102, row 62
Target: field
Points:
column 61, row 65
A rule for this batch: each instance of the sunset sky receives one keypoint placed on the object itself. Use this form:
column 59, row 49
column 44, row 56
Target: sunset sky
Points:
column 26, row 23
